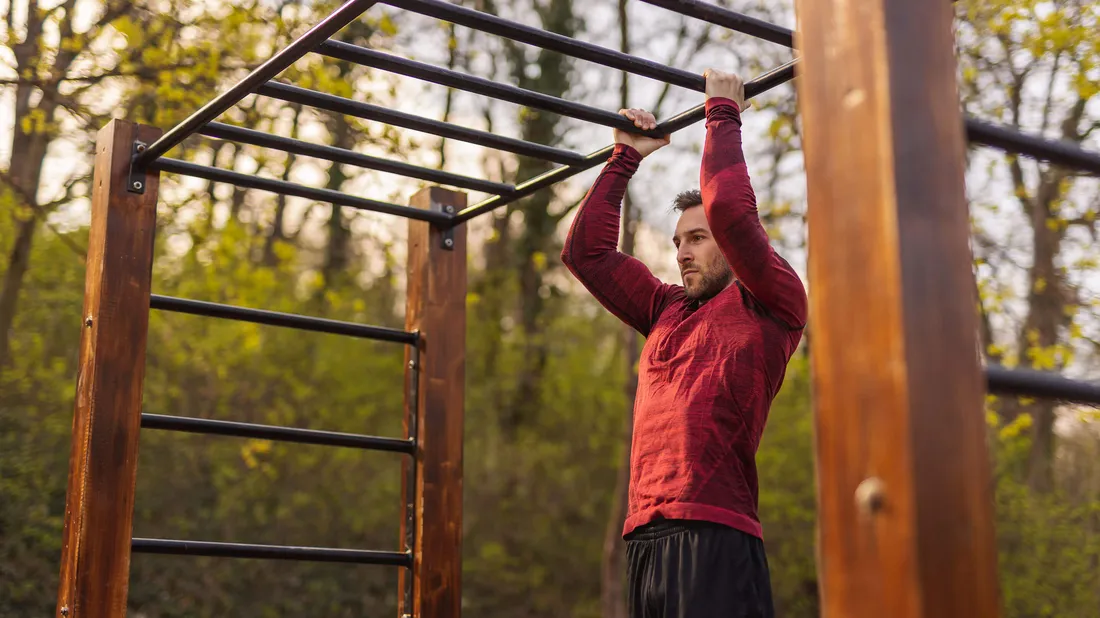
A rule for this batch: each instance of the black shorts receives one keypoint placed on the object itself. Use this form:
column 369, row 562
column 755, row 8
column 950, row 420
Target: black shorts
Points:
column 691, row 569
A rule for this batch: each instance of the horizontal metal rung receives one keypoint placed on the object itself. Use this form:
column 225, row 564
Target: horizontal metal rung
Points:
column 757, row 86
column 268, row 552
column 477, row 85
column 275, row 433
column 340, row 155
column 282, row 187
column 275, row 318
column 1009, row 139
column 726, row 18
column 367, row 111
column 492, row 24
column 1040, row 384
column 274, row 65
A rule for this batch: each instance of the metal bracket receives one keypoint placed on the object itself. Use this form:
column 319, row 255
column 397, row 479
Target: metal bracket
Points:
column 448, row 232
column 135, row 181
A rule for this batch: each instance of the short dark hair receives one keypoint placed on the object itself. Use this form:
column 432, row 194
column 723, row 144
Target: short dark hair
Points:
column 687, row 199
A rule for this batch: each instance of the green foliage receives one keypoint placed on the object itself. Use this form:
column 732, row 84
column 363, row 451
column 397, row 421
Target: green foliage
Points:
column 545, row 402
column 787, row 500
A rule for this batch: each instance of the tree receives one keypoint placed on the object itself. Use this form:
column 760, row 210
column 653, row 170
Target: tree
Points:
column 1033, row 66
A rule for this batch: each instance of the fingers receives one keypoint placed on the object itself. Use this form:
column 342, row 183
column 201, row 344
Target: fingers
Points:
column 641, row 118
column 721, row 78
column 725, row 85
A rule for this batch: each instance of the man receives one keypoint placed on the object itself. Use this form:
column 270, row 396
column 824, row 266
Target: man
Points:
column 715, row 355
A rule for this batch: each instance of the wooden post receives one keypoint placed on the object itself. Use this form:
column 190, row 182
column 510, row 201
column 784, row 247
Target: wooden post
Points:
column 436, row 308
column 904, row 477
column 99, row 505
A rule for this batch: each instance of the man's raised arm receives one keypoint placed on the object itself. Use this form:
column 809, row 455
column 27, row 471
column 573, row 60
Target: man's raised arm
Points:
column 621, row 283
column 730, row 204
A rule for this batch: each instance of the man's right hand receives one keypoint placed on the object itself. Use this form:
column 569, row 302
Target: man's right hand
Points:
column 643, row 144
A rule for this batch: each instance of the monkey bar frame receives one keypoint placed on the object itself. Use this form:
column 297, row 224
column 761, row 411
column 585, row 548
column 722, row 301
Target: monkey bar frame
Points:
column 904, row 481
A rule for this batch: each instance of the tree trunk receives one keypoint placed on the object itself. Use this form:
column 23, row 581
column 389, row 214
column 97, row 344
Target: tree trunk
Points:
column 338, row 247
column 536, row 241
column 18, row 264
column 1046, row 314
column 278, row 229
column 28, row 151
column 612, row 592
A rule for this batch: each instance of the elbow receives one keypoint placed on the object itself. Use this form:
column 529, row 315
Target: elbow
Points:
column 567, row 257
column 569, row 260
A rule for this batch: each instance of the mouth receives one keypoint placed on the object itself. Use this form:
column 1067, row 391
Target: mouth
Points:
column 689, row 272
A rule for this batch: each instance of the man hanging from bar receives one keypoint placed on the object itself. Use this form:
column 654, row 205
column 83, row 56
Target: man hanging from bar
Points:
column 715, row 356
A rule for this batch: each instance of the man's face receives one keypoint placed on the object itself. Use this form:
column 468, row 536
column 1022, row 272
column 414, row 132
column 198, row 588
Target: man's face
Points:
column 703, row 268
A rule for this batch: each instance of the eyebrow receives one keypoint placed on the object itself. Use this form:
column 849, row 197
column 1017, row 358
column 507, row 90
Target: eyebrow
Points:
column 693, row 230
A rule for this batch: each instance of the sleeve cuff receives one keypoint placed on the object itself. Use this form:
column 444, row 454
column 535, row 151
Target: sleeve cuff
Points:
column 626, row 156
column 714, row 102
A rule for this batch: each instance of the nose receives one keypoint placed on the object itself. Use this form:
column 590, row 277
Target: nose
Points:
column 684, row 256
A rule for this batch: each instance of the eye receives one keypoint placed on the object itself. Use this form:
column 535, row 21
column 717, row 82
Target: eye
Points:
column 697, row 237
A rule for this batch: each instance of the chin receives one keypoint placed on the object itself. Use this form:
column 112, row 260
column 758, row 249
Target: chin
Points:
column 693, row 293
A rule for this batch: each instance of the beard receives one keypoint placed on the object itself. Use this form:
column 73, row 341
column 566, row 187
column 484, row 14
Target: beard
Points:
column 708, row 282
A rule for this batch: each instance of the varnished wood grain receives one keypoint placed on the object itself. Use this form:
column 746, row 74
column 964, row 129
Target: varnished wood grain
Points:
column 95, row 553
column 436, row 307
column 897, row 381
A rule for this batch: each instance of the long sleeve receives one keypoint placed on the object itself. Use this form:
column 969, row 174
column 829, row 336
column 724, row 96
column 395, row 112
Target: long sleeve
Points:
column 730, row 204
column 621, row 283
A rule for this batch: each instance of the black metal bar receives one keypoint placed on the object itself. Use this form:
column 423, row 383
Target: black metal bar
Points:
column 269, row 552
column 367, row 111
column 477, row 85
column 728, row 19
column 340, row 155
column 761, row 84
column 410, row 476
column 492, row 24
column 1040, row 384
column 275, row 318
column 288, row 188
column 1009, row 139
column 275, row 433
column 329, row 26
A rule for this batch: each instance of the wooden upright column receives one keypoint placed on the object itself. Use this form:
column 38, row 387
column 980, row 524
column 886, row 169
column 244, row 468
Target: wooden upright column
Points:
column 904, row 481
column 437, row 309
column 99, row 505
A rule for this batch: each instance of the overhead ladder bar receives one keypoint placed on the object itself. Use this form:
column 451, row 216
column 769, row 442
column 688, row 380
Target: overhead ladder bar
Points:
column 757, row 86
column 282, row 187
column 348, row 12
column 492, row 24
column 478, row 85
column 367, row 111
column 349, row 157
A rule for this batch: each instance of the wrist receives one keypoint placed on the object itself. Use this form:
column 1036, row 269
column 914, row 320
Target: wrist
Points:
column 716, row 101
column 626, row 154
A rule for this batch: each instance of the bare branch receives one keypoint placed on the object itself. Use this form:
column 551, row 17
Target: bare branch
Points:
column 41, row 212
column 1049, row 104
column 145, row 72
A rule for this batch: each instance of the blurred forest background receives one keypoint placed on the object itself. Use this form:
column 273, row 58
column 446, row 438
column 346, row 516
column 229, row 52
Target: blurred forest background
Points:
column 549, row 374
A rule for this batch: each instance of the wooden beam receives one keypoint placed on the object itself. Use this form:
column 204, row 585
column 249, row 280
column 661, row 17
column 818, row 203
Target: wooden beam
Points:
column 904, row 480
column 99, row 505
column 436, row 307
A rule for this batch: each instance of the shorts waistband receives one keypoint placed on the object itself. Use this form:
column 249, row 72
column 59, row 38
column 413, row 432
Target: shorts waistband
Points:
column 662, row 528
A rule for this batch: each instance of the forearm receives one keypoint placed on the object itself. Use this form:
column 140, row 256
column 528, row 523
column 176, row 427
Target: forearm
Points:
column 731, row 209
column 621, row 283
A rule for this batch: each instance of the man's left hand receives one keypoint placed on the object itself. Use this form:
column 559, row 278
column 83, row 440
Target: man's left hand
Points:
column 727, row 86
